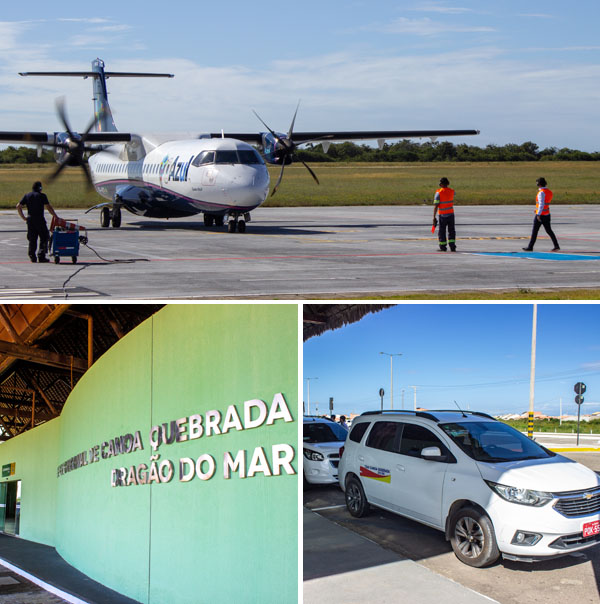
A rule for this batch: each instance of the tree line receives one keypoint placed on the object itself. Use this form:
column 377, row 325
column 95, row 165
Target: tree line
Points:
column 409, row 151
column 402, row 151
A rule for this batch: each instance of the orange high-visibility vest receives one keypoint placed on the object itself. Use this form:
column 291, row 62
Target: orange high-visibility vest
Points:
column 547, row 200
column 446, row 205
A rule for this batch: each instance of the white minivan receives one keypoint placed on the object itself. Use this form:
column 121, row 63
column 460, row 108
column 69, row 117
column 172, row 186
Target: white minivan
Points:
column 492, row 490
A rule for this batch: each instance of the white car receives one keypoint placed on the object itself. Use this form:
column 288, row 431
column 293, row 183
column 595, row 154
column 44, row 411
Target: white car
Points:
column 322, row 441
column 492, row 490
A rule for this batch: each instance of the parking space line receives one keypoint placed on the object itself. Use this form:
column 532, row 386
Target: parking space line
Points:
column 329, row 507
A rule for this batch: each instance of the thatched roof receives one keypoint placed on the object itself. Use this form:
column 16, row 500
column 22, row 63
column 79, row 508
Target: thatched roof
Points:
column 319, row 318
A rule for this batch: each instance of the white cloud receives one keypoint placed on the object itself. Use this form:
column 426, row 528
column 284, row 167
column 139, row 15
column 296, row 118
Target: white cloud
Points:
column 437, row 7
column 427, row 27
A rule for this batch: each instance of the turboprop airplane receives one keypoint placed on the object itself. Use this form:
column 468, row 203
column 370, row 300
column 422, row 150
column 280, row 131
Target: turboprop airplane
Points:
column 220, row 175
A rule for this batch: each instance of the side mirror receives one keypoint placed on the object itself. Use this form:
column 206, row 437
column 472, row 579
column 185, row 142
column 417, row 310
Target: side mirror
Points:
column 432, row 454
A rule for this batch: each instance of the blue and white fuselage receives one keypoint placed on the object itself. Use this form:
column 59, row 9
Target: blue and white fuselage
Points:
column 180, row 178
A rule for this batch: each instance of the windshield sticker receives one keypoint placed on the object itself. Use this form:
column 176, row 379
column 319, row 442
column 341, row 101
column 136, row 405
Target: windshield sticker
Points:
column 380, row 474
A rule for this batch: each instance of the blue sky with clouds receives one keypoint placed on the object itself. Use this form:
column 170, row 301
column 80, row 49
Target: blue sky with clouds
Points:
column 517, row 71
column 478, row 355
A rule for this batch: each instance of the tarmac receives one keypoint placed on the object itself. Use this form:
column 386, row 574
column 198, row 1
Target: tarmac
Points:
column 304, row 253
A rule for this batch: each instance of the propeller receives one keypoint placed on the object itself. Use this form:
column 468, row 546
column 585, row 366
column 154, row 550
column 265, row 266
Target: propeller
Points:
column 74, row 146
column 284, row 149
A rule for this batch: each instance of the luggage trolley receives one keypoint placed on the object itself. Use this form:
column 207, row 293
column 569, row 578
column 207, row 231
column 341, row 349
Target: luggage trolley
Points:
column 65, row 239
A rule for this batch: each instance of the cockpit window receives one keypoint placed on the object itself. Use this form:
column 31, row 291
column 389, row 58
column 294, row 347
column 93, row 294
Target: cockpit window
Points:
column 206, row 157
column 249, row 156
column 226, row 157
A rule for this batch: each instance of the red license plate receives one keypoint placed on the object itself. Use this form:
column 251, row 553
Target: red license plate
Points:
column 591, row 528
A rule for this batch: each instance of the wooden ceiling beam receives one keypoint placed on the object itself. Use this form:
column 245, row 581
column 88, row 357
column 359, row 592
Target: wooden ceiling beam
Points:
column 44, row 357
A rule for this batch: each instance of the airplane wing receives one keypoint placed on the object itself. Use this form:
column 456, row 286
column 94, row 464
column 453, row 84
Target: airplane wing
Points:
column 48, row 138
column 379, row 135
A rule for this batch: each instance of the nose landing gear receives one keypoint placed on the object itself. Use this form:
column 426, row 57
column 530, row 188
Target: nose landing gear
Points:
column 107, row 216
column 237, row 222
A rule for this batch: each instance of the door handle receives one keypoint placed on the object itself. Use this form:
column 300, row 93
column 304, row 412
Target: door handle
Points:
column 399, row 467
column 360, row 458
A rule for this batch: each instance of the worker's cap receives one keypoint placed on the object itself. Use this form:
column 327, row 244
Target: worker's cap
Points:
column 37, row 186
column 541, row 182
column 444, row 181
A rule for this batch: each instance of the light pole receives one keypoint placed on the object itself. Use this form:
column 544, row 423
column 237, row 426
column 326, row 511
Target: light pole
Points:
column 392, row 355
column 532, row 376
column 308, row 393
column 415, row 389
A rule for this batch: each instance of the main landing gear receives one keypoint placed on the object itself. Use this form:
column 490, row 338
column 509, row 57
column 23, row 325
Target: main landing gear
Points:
column 107, row 216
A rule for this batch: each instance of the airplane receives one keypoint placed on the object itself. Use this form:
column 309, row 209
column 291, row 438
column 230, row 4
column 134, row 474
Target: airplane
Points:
column 221, row 175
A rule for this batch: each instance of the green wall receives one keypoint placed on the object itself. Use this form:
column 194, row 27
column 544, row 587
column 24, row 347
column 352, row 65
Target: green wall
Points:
column 35, row 455
column 215, row 540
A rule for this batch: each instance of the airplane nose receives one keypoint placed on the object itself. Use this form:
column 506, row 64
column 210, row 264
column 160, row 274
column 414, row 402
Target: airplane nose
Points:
column 249, row 186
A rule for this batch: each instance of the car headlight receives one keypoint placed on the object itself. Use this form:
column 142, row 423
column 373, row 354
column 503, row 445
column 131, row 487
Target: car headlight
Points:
column 313, row 455
column 522, row 496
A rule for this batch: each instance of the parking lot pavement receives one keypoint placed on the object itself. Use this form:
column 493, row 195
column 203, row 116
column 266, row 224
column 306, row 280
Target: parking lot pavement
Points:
column 342, row 567
column 573, row 578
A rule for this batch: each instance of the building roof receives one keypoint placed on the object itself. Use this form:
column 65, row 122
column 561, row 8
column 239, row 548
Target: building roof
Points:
column 319, row 318
column 46, row 348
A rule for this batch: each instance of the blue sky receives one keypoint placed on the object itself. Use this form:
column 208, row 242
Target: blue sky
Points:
column 476, row 354
column 517, row 71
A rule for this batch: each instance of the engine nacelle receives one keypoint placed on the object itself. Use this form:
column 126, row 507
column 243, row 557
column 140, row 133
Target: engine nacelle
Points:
column 277, row 150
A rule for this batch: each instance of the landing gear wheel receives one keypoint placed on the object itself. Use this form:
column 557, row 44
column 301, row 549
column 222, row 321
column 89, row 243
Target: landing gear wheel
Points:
column 208, row 220
column 116, row 217
column 232, row 226
column 104, row 217
column 356, row 501
column 473, row 539
column 241, row 226
column 219, row 220
column 56, row 259
column 74, row 259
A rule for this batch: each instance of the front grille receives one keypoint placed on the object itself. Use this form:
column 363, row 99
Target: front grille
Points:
column 575, row 540
column 334, row 462
column 578, row 503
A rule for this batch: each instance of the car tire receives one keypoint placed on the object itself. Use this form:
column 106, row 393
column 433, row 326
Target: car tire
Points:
column 473, row 539
column 356, row 500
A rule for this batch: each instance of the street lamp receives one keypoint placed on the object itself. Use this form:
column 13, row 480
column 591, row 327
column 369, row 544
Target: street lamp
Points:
column 392, row 355
column 308, row 393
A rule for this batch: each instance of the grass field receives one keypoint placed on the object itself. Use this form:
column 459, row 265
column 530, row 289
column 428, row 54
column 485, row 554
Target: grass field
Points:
column 360, row 183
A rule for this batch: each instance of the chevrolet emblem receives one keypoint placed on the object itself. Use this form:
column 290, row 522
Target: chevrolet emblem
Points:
column 587, row 495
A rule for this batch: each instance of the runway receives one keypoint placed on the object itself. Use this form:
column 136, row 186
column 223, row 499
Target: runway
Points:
column 308, row 252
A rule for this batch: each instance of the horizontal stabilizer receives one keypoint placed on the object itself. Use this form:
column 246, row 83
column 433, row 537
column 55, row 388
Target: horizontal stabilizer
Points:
column 95, row 74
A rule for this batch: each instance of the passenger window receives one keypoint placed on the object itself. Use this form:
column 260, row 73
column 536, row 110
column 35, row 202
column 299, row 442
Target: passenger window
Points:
column 385, row 436
column 358, row 431
column 416, row 438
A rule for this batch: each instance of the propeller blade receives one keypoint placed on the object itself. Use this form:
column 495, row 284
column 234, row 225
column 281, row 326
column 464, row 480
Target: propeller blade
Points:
column 278, row 180
column 88, row 176
column 265, row 125
column 62, row 113
column 61, row 166
column 291, row 130
column 311, row 173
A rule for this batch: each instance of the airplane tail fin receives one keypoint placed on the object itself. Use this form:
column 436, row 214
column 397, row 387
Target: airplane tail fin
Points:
column 102, row 112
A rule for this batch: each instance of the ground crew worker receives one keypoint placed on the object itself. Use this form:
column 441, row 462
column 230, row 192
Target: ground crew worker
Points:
column 443, row 203
column 542, row 215
column 35, row 202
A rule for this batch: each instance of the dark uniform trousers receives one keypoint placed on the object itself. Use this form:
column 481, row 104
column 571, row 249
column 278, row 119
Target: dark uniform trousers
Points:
column 545, row 220
column 37, row 229
column 447, row 224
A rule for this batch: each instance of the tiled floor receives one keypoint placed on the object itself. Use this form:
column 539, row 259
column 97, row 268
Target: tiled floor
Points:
column 15, row 589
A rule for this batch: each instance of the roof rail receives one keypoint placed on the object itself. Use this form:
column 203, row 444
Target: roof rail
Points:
column 427, row 414
column 400, row 412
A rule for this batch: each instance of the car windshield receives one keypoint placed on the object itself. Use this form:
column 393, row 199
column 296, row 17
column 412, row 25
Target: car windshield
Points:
column 324, row 433
column 494, row 442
